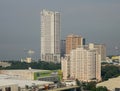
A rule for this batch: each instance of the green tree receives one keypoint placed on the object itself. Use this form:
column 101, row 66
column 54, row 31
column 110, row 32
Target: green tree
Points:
column 89, row 85
column 101, row 88
column 79, row 84
column 34, row 65
column 110, row 71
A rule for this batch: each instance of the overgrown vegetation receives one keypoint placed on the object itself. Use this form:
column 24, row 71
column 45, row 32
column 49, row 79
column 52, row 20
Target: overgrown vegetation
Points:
column 110, row 71
column 89, row 86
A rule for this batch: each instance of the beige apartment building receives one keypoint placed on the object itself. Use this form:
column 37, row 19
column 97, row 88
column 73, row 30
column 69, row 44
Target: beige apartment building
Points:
column 73, row 42
column 102, row 51
column 83, row 64
column 65, row 66
column 101, row 48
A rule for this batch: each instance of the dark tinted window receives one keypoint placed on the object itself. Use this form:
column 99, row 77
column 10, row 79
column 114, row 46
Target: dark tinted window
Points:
column 7, row 89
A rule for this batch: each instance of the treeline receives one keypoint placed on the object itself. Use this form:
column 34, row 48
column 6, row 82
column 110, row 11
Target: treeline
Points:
column 89, row 86
column 110, row 71
column 33, row 65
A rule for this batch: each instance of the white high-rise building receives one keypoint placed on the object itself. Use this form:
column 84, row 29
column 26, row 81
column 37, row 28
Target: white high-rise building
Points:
column 50, row 36
column 83, row 64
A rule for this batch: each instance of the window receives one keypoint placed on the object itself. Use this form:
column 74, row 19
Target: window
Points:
column 7, row 89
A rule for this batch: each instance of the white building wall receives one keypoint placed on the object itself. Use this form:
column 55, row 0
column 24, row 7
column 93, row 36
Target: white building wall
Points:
column 101, row 49
column 50, row 36
column 57, row 32
column 72, row 68
column 64, row 68
column 98, row 67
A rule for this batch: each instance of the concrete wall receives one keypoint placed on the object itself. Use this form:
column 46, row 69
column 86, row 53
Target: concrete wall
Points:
column 21, row 74
column 12, row 87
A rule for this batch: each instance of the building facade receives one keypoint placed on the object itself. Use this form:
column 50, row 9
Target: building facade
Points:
column 50, row 36
column 101, row 48
column 63, row 43
column 73, row 42
column 65, row 66
column 7, row 86
column 84, row 64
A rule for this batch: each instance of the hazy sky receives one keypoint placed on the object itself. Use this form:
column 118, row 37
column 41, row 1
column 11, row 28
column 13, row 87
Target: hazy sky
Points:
column 96, row 20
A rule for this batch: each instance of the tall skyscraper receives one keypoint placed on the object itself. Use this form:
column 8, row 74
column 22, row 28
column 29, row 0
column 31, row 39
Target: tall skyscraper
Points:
column 83, row 64
column 73, row 42
column 50, row 36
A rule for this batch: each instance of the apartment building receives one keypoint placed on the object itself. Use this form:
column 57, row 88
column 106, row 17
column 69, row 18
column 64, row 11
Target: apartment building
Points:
column 73, row 42
column 83, row 64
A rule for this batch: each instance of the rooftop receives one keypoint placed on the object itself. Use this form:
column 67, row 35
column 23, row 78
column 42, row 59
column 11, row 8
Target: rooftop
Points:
column 72, row 35
column 111, row 84
column 10, row 80
column 23, row 83
column 28, row 70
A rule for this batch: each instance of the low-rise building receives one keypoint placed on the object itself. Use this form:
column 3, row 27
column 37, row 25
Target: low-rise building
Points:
column 112, row 84
column 4, row 64
column 10, row 83
column 33, row 74
column 70, row 82
column 8, row 86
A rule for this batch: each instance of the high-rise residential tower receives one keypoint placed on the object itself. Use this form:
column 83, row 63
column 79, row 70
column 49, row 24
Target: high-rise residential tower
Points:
column 101, row 48
column 73, row 42
column 82, row 64
column 50, row 36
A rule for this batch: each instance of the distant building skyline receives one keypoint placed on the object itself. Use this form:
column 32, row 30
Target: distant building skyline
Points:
column 96, row 20
column 50, row 36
